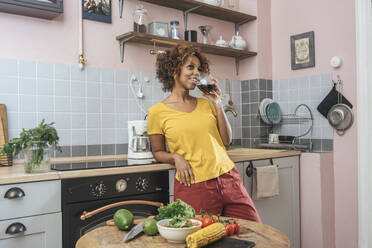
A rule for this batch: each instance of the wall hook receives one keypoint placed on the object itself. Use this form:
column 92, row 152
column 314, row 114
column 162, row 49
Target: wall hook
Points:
column 338, row 81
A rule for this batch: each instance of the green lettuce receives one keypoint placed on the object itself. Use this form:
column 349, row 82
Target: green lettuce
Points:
column 175, row 209
column 178, row 222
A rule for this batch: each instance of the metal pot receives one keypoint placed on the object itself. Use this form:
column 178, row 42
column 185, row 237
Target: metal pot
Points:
column 340, row 117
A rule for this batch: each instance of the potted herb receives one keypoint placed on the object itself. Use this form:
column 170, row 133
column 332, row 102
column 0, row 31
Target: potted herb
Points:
column 36, row 144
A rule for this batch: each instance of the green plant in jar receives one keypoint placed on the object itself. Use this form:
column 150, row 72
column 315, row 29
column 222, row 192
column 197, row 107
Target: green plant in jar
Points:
column 35, row 143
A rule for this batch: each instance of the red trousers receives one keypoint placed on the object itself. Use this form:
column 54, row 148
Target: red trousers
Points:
column 224, row 195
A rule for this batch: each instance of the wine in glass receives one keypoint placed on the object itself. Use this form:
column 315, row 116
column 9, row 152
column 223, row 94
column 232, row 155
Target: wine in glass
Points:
column 205, row 84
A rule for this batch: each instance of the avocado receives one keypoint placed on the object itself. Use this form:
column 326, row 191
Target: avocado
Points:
column 123, row 219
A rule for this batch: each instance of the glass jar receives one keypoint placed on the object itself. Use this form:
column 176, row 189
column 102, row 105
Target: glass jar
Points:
column 37, row 157
column 139, row 19
column 175, row 31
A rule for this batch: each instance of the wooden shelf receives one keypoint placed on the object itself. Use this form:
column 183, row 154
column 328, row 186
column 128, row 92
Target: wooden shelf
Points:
column 148, row 39
column 192, row 6
column 205, row 10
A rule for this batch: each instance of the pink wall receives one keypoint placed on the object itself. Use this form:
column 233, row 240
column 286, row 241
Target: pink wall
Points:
column 334, row 25
column 311, row 201
column 56, row 40
column 317, row 200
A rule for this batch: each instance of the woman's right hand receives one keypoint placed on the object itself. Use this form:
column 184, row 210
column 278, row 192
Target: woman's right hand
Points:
column 184, row 171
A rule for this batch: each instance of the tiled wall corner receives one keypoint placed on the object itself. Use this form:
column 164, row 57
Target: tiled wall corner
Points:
column 253, row 128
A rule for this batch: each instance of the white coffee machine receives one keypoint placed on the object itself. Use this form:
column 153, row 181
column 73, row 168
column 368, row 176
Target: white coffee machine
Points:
column 139, row 142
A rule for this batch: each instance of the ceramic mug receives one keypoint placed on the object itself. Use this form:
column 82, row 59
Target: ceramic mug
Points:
column 191, row 35
column 273, row 138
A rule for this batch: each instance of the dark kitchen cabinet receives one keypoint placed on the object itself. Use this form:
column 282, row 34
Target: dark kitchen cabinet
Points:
column 46, row 9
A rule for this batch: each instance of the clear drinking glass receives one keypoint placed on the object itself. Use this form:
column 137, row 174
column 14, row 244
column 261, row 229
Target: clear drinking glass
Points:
column 37, row 157
column 232, row 4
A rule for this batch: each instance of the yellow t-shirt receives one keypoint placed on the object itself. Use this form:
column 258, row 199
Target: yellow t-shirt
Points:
column 194, row 136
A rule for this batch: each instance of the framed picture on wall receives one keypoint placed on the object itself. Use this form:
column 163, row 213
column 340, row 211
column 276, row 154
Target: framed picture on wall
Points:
column 302, row 51
column 97, row 10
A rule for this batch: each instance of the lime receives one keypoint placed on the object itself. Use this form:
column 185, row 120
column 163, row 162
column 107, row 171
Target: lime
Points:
column 150, row 227
column 123, row 219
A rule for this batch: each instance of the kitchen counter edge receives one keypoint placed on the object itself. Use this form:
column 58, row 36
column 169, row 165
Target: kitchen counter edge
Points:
column 15, row 174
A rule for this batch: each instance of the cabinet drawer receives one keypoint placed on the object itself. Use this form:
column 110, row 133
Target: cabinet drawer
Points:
column 43, row 231
column 39, row 198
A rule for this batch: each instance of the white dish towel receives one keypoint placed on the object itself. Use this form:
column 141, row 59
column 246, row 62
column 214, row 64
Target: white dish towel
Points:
column 265, row 182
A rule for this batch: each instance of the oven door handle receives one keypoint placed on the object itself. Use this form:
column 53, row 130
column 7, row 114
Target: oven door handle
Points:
column 87, row 215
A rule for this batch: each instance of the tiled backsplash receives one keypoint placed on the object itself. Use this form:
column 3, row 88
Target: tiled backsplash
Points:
column 90, row 107
column 289, row 93
column 253, row 128
column 310, row 90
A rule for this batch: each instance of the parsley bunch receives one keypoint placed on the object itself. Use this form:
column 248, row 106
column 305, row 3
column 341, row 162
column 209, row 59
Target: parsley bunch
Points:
column 43, row 135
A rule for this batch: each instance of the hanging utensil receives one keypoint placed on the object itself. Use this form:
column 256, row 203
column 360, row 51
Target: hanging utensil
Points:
column 228, row 87
column 229, row 107
column 340, row 116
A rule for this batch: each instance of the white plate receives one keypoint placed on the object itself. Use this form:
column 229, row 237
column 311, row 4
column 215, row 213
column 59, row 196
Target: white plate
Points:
column 263, row 105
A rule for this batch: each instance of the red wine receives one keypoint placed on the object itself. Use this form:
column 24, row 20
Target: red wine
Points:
column 206, row 88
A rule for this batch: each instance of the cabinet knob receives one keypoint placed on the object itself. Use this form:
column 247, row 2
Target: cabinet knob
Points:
column 13, row 193
column 15, row 228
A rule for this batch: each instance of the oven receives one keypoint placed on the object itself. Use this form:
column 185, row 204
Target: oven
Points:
column 90, row 193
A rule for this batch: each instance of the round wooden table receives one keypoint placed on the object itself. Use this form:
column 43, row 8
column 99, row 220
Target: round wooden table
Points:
column 111, row 237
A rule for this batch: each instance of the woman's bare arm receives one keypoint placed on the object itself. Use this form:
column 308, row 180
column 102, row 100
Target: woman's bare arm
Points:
column 183, row 167
column 223, row 125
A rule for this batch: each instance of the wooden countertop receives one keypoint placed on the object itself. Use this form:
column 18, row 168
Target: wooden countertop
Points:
column 263, row 236
column 16, row 174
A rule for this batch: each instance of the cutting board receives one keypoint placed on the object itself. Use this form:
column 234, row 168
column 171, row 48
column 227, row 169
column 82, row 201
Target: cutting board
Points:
column 3, row 133
column 2, row 136
column 4, row 119
column 231, row 243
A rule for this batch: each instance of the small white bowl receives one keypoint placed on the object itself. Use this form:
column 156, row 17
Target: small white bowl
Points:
column 176, row 235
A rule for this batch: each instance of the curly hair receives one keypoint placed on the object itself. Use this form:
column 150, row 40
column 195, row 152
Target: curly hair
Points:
column 169, row 64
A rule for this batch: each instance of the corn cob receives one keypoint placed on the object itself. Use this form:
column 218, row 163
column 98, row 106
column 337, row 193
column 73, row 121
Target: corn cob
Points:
column 206, row 235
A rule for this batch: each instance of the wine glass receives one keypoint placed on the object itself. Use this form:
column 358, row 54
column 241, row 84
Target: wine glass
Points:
column 231, row 4
column 205, row 84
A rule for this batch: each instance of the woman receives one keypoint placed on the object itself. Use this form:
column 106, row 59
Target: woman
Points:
column 196, row 131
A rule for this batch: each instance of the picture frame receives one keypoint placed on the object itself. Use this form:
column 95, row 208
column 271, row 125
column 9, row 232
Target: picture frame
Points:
column 97, row 10
column 302, row 51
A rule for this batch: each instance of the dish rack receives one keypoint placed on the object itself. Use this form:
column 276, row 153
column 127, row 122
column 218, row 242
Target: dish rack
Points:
column 294, row 118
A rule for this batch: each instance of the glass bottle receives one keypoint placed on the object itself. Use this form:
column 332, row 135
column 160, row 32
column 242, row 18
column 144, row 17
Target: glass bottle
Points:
column 37, row 157
column 139, row 19
column 175, row 31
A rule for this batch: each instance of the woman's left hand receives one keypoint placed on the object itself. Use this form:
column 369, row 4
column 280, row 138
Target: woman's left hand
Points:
column 215, row 95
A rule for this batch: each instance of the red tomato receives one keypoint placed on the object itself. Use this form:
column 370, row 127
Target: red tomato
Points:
column 236, row 227
column 229, row 229
column 200, row 218
column 207, row 221
column 214, row 218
